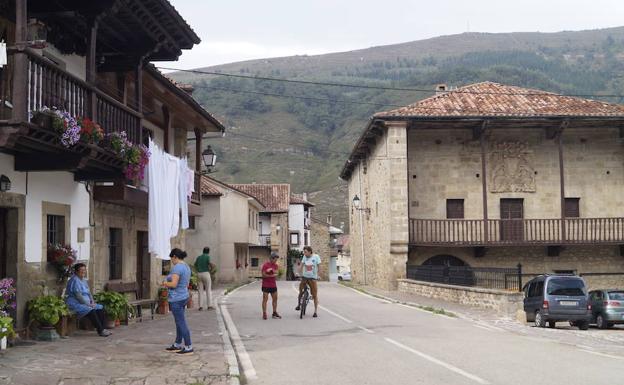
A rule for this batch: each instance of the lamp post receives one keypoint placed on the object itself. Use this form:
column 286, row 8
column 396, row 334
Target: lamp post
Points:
column 210, row 159
column 357, row 204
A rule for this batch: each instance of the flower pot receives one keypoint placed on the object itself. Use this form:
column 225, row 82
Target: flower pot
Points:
column 47, row 333
column 110, row 324
column 189, row 303
column 43, row 119
column 163, row 307
column 117, row 322
column 3, row 342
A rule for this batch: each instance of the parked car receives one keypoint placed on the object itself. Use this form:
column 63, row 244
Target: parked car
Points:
column 344, row 276
column 607, row 307
column 553, row 298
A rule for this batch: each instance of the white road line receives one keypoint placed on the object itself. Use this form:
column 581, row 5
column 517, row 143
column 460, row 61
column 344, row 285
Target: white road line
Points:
column 482, row 327
column 488, row 327
column 367, row 295
column 602, row 354
column 336, row 315
column 245, row 362
column 366, row 330
column 228, row 349
column 438, row 362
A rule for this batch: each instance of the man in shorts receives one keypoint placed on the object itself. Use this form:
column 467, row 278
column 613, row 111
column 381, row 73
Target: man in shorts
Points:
column 309, row 275
column 269, row 285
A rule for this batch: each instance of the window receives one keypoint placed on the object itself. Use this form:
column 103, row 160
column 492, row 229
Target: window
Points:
column 115, row 259
column 455, row 209
column 572, row 208
column 305, row 239
column 165, row 269
column 254, row 262
column 56, row 230
column 294, row 238
column 571, row 287
column 192, row 223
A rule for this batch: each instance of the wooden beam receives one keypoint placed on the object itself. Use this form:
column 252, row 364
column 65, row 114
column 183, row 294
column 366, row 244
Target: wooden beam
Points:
column 167, row 127
column 91, row 70
column 36, row 162
column 198, row 149
column 148, row 19
column 20, row 68
column 482, row 138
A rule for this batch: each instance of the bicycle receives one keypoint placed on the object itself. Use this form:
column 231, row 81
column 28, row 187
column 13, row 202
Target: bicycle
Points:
column 304, row 300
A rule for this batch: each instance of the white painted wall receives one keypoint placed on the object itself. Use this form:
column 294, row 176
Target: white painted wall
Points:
column 56, row 187
column 265, row 225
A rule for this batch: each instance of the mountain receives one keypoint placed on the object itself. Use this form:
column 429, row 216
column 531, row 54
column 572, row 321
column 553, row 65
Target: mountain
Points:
column 302, row 133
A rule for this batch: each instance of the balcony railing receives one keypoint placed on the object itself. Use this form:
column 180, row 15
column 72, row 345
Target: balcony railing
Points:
column 50, row 86
column 264, row 240
column 502, row 232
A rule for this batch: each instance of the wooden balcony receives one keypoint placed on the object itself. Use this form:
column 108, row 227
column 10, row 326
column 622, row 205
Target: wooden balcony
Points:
column 515, row 232
column 48, row 85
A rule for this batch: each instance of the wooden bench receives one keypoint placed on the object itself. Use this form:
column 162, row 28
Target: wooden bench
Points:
column 133, row 287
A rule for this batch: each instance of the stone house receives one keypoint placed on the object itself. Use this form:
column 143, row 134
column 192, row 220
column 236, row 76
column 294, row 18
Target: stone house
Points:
column 324, row 243
column 489, row 175
column 229, row 225
column 92, row 64
column 343, row 262
column 299, row 222
column 272, row 222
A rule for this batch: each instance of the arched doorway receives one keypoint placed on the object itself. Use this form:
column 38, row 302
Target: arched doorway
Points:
column 446, row 269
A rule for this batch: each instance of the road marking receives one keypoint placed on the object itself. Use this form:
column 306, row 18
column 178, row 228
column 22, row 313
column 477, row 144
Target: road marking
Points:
column 602, row 354
column 438, row 362
column 227, row 346
column 336, row 315
column 239, row 347
column 488, row 327
column 366, row 330
column 367, row 295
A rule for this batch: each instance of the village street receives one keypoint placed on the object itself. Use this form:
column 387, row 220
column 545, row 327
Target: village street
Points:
column 358, row 339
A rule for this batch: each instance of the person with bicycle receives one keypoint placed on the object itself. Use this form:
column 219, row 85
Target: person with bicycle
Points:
column 309, row 275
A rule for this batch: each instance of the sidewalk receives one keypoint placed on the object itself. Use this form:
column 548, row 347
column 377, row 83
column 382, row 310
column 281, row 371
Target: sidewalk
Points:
column 133, row 355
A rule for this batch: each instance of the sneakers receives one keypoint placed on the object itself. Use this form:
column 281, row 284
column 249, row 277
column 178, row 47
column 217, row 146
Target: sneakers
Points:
column 174, row 349
column 298, row 308
column 105, row 333
column 200, row 308
column 210, row 308
column 314, row 315
column 185, row 351
column 275, row 315
column 264, row 316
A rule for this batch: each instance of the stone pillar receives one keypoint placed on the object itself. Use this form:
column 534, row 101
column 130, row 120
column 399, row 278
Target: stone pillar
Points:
column 398, row 194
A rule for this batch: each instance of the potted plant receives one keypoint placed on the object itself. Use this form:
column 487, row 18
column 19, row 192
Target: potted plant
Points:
column 163, row 304
column 212, row 269
column 47, row 310
column 7, row 303
column 62, row 257
column 115, row 304
column 46, row 117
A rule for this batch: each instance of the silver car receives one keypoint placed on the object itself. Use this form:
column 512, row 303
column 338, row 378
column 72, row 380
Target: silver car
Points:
column 607, row 307
column 553, row 298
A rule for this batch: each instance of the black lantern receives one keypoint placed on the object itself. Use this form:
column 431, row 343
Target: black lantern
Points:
column 210, row 158
column 357, row 204
column 5, row 183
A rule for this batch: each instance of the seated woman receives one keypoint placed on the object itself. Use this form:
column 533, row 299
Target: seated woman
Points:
column 80, row 301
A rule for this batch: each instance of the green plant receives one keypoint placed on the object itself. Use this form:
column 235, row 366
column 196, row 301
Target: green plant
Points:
column 47, row 309
column 6, row 327
column 115, row 304
column 194, row 279
column 280, row 272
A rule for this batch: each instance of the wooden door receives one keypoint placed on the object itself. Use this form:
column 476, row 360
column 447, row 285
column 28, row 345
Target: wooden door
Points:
column 143, row 265
column 512, row 215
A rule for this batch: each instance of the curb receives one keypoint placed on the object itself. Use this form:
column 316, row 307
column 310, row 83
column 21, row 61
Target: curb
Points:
column 230, row 353
column 415, row 305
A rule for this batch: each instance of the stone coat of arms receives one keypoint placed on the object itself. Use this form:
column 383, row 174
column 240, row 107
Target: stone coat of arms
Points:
column 511, row 168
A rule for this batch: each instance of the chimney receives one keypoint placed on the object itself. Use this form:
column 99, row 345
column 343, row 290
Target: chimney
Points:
column 441, row 89
column 329, row 219
column 305, row 196
column 188, row 88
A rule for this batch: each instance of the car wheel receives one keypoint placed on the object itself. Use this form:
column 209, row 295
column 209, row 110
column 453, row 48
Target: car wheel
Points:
column 552, row 324
column 601, row 322
column 540, row 321
column 340, row 278
column 584, row 325
column 572, row 323
column 610, row 325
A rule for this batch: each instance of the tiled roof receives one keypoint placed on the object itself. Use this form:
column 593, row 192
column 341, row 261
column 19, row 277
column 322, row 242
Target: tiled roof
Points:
column 490, row 99
column 297, row 199
column 208, row 188
column 275, row 197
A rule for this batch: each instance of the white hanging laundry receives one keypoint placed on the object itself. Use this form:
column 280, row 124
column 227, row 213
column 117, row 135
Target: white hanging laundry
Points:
column 183, row 197
column 191, row 183
column 3, row 54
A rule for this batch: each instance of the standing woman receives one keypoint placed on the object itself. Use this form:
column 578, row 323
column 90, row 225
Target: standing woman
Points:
column 177, row 282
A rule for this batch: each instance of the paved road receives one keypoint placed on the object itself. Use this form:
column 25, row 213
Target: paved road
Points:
column 363, row 340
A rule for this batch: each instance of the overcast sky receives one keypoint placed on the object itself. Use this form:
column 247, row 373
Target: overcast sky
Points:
column 235, row 30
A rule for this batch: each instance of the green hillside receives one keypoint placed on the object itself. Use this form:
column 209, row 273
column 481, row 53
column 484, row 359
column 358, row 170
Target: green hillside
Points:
column 302, row 134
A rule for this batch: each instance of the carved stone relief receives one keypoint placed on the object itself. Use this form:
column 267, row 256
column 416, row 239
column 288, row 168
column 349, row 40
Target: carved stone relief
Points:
column 511, row 168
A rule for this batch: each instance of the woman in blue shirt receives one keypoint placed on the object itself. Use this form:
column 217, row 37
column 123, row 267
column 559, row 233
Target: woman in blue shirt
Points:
column 80, row 301
column 177, row 282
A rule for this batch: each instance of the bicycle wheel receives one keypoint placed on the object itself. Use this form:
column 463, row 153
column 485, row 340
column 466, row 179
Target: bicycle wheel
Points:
column 304, row 303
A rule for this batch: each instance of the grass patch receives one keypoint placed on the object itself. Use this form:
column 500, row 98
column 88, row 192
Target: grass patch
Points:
column 235, row 286
column 431, row 309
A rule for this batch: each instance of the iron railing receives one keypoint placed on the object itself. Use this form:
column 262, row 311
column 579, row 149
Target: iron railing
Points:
column 491, row 232
column 486, row 277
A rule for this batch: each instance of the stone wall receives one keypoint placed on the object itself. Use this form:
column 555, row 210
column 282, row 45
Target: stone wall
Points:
column 379, row 232
column 320, row 245
column 535, row 260
column 502, row 302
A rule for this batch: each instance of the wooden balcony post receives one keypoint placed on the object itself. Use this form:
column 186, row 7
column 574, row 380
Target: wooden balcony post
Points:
column 559, row 137
column 20, row 69
column 484, row 180
column 198, row 149
column 138, row 93
column 166, row 128
column 91, row 70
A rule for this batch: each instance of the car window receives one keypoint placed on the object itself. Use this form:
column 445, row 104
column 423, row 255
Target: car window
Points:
column 616, row 295
column 574, row 287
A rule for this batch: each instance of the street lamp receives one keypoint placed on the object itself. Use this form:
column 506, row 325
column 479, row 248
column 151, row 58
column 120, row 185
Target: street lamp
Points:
column 5, row 183
column 210, row 159
column 357, row 204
